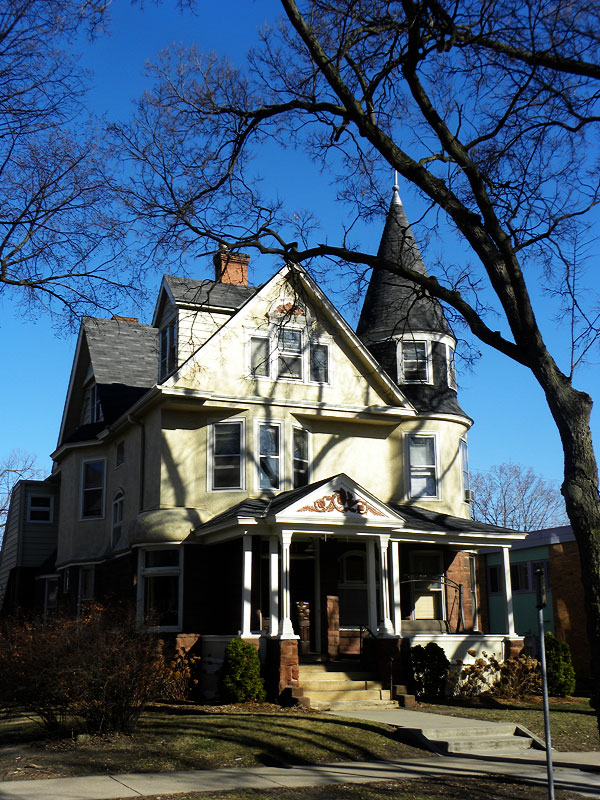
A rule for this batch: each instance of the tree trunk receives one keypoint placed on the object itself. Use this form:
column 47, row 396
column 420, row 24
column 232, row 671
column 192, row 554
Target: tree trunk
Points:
column 571, row 411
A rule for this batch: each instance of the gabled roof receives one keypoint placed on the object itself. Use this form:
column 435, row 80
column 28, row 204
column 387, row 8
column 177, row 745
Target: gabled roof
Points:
column 122, row 351
column 394, row 305
column 205, row 294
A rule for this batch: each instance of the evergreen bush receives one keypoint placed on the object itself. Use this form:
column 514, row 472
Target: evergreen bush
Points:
column 559, row 666
column 241, row 681
column 430, row 671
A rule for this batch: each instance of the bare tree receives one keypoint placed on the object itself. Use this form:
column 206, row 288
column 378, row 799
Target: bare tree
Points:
column 489, row 110
column 60, row 238
column 18, row 465
column 513, row 496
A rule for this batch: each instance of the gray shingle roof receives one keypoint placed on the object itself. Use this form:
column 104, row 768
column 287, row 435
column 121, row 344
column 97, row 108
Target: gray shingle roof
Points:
column 208, row 293
column 122, row 352
column 394, row 305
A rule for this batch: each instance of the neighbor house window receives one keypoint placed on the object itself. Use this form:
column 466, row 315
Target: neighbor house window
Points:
column 40, row 508
column 519, row 577
column 95, row 405
column 117, row 517
column 319, row 362
column 168, row 349
column 422, row 466
column 289, row 357
column 415, row 367
column 92, row 489
column 227, row 455
column 300, row 457
column 159, row 589
column 269, row 456
column 495, row 580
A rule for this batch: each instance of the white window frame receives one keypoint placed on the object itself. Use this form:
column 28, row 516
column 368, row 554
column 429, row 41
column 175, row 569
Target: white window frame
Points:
column 308, row 453
column 281, row 456
column 149, row 572
column 96, row 413
column 428, row 360
column 436, row 466
column 170, row 329
column 50, row 519
column 465, row 476
column 210, row 473
column 81, row 489
column 118, row 507
column 307, row 342
column 451, row 367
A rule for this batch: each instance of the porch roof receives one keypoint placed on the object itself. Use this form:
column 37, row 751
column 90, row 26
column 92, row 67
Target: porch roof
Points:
column 361, row 513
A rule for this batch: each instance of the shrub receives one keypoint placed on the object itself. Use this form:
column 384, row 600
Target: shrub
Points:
column 513, row 678
column 559, row 666
column 241, row 681
column 95, row 673
column 430, row 671
column 179, row 677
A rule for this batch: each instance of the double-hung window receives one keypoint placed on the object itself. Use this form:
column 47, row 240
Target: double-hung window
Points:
column 92, row 489
column 269, row 456
column 260, row 357
column 300, row 457
column 227, row 455
column 40, row 508
column 289, row 355
column 422, row 466
column 451, row 367
column 159, row 588
column 319, row 362
column 117, row 517
column 415, row 362
column 464, row 465
column 168, row 350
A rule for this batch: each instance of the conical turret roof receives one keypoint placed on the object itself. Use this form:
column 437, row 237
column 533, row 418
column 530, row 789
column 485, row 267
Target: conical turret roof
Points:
column 394, row 305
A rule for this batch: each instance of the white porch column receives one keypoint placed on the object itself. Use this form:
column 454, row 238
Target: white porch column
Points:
column 386, row 628
column 395, row 570
column 286, row 630
column 246, row 585
column 371, row 586
column 508, row 599
column 274, row 585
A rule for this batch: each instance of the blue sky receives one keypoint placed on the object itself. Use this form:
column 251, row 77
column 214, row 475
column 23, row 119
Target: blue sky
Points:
column 512, row 421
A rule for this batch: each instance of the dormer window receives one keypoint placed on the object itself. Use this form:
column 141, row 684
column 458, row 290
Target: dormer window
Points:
column 415, row 361
column 95, row 405
column 168, row 350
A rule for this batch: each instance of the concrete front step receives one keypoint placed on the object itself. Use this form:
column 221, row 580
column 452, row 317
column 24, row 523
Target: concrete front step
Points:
column 496, row 738
column 343, row 685
column 352, row 705
column 349, row 694
column 314, row 684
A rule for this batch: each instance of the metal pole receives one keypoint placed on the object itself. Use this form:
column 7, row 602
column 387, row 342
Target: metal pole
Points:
column 541, row 605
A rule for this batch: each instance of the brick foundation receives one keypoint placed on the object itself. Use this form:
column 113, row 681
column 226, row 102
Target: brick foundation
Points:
column 333, row 627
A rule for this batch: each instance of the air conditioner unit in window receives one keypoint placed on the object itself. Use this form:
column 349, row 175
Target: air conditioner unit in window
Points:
column 469, row 496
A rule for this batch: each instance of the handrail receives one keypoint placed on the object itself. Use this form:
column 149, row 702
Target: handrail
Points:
column 369, row 631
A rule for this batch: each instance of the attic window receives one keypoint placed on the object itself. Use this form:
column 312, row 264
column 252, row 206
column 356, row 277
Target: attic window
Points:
column 168, row 350
column 286, row 354
column 95, row 404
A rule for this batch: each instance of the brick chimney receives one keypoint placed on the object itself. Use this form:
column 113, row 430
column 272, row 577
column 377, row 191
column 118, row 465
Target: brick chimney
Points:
column 231, row 267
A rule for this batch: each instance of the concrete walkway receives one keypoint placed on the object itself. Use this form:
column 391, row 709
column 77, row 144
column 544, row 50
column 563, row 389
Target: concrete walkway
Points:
column 577, row 772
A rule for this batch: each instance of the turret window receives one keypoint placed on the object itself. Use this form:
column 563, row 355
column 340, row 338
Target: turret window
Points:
column 415, row 366
column 423, row 481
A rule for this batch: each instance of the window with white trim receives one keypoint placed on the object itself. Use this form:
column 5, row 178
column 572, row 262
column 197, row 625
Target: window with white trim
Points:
column 422, row 466
column 40, row 508
column 168, row 350
column 464, row 465
column 227, row 455
column 92, row 489
column 288, row 354
column 269, row 455
column 96, row 414
column 117, row 517
column 451, row 361
column 415, row 361
column 300, row 458
column 159, row 588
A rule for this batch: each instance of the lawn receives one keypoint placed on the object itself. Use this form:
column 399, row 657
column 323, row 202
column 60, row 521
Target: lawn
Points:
column 573, row 723
column 201, row 737
column 495, row 787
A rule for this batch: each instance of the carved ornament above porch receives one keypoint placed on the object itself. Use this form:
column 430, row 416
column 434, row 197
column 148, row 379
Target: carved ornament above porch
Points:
column 343, row 502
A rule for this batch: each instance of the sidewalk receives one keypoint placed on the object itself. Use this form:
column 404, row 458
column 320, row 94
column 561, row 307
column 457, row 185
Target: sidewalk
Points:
column 111, row 787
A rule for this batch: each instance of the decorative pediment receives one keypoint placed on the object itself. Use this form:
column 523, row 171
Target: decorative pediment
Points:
column 342, row 501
